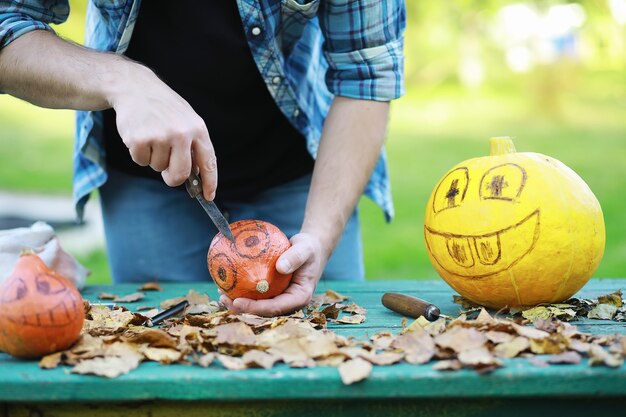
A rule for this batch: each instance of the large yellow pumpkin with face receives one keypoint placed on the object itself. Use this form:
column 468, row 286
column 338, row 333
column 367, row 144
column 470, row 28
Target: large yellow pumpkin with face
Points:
column 514, row 229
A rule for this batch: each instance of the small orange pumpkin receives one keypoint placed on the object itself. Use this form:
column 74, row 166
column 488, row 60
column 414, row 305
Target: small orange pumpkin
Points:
column 247, row 267
column 41, row 312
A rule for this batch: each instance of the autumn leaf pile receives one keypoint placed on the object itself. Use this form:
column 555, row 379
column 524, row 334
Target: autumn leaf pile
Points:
column 116, row 341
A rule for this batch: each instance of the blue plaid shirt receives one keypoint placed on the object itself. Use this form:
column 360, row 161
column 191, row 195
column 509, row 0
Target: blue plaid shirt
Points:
column 306, row 50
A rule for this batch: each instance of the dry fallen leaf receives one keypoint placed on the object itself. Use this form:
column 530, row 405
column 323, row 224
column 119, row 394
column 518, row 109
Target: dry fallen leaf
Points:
column 436, row 327
column 259, row 359
column 420, row 322
column 354, row 370
column 461, row 338
column 150, row 286
column 619, row 346
column 614, row 298
column 156, row 338
column 479, row 356
column 382, row 340
column 110, row 366
column 329, row 297
column 290, row 351
column 355, row 309
column 205, row 360
column 498, row 337
column 354, row 319
column 50, row 361
column 235, row 334
column 150, row 313
column 193, row 297
column 448, row 365
column 331, row 311
column 569, row 357
column 106, row 296
column 318, row 319
column 555, row 343
column 599, row 356
column 545, row 312
column 417, row 345
column 163, row 355
column 123, row 358
column 230, row 362
column 512, row 348
column 102, row 320
column 320, row 344
column 86, row 347
column 130, row 298
column 603, row 312
column 382, row 359
column 464, row 302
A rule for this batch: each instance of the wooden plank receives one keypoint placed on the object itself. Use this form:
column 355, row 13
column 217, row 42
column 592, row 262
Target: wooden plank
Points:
column 23, row 381
column 450, row 407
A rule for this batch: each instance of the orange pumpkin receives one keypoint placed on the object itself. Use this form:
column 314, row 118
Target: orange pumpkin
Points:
column 247, row 267
column 41, row 312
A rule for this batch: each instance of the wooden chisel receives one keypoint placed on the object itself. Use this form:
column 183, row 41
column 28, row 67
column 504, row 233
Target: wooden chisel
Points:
column 410, row 306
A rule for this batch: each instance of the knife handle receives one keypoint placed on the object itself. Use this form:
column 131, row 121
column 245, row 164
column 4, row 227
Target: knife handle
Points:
column 193, row 185
column 410, row 306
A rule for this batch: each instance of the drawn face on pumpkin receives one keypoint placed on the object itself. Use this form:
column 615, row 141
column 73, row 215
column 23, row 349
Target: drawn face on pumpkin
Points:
column 494, row 233
column 514, row 229
column 24, row 297
column 251, row 242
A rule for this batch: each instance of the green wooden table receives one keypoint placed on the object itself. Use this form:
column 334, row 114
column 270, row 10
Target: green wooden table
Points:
column 518, row 389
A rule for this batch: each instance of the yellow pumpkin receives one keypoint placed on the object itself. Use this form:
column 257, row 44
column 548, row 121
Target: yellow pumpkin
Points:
column 514, row 229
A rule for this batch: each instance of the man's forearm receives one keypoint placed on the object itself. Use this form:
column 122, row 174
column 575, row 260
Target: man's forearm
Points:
column 158, row 126
column 45, row 70
column 353, row 135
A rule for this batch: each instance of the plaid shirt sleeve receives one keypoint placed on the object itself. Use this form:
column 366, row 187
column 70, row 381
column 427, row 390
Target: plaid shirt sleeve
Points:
column 364, row 47
column 22, row 16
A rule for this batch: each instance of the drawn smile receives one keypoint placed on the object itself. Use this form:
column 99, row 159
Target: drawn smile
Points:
column 60, row 315
column 479, row 256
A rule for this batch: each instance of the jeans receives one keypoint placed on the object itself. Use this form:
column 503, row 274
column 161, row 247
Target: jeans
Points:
column 157, row 233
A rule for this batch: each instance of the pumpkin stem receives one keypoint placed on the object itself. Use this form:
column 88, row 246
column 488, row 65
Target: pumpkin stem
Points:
column 262, row 286
column 501, row 145
column 25, row 252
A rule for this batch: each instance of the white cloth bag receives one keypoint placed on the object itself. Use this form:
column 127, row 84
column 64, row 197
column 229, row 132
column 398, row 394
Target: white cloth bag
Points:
column 41, row 239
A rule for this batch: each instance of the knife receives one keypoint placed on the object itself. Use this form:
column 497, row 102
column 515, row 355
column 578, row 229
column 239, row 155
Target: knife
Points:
column 194, row 188
column 411, row 306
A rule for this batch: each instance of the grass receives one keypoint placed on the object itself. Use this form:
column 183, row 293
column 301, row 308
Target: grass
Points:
column 429, row 135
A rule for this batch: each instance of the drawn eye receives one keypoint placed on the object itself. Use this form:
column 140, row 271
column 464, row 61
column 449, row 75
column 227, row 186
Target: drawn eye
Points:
column 49, row 285
column 450, row 192
column 16, row 291
column 503, row 182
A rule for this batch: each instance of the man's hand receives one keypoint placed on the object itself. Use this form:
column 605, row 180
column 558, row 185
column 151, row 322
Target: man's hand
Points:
column 158, row 126
column 306, row 259
column 161, row 130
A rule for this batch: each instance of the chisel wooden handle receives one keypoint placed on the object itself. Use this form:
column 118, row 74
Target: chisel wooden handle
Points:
column 410, row 306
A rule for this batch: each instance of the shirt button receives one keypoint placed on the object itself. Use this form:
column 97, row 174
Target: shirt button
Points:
column 296, row 113
column 276, row 80
column 256, row 31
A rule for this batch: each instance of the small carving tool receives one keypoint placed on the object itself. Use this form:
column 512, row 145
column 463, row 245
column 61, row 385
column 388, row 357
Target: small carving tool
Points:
column 194, row 188
column 411, row 306
column 166, row 314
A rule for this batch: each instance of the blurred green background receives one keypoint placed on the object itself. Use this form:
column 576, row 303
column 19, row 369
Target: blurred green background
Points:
column 551, row 74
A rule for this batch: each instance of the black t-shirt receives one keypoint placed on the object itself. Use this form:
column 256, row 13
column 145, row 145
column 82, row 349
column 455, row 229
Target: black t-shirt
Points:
column 201, row 52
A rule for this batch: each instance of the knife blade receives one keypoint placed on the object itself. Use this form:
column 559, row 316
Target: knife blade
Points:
column 194, row 188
